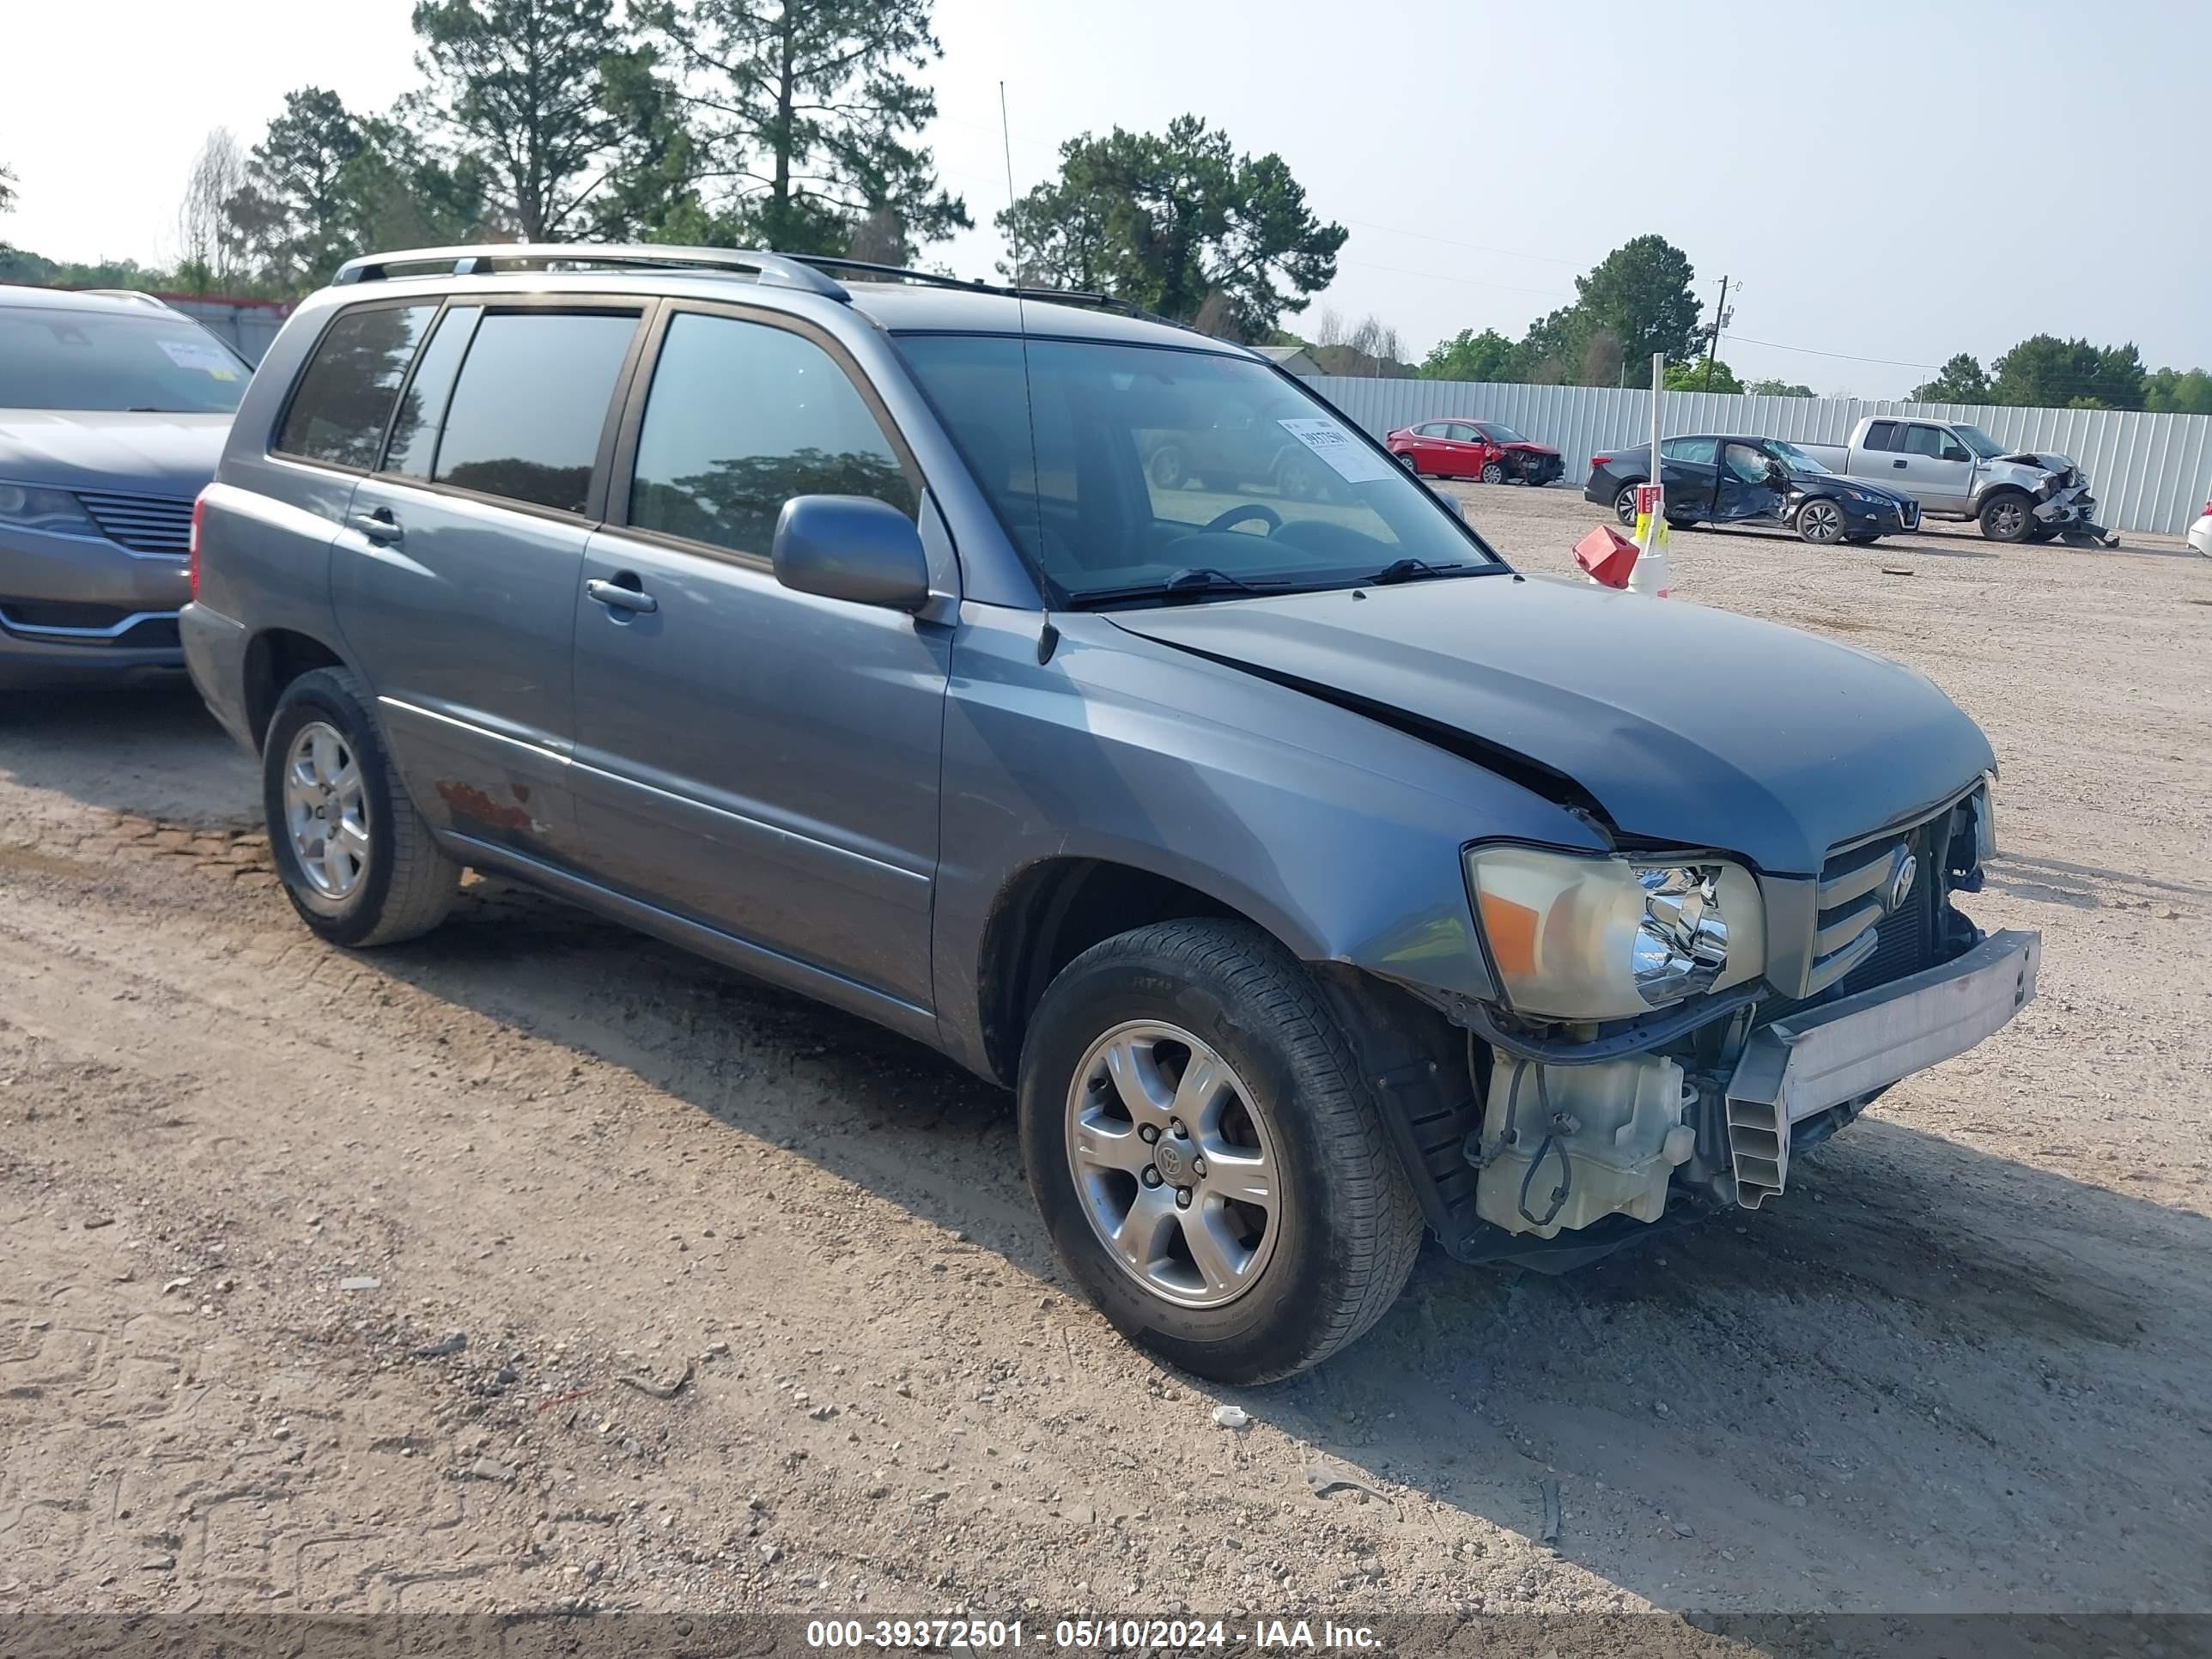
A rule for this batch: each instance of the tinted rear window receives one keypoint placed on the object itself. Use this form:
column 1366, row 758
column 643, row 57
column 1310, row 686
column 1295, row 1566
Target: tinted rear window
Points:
column 1882, row 435
column 339, row 410
column 422, row 406
column 529, row 406
column 52, row 358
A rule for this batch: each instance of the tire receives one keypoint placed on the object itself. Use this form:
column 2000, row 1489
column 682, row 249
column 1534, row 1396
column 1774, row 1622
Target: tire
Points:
column 1493, row 472
column 1406, row 460
column 1820, row 522
column 2007, row 516
column 1624, row 505
column 1326, row 1261
column 1166, row 468
column 401, row 883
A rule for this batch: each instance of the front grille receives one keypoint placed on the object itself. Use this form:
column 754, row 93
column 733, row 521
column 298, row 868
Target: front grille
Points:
column 1860, row 940
column 144, row 523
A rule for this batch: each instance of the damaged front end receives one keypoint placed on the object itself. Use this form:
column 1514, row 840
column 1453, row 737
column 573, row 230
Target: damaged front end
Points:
column 1778, row 1010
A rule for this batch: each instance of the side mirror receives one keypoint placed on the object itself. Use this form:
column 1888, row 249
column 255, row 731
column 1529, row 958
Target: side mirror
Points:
column 1955, row 453
column 852, row 548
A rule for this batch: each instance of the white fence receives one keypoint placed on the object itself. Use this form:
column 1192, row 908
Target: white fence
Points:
column 2149, row 472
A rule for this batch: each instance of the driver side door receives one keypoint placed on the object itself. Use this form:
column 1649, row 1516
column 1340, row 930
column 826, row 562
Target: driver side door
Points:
column 1747, row 490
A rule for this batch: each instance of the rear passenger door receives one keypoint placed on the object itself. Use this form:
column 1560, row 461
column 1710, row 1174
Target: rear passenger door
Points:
column 758, row 760
column 455, row 577
column 1691, row 469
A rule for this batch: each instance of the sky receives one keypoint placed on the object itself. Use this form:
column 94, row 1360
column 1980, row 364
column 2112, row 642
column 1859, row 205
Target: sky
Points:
column 1887, row 182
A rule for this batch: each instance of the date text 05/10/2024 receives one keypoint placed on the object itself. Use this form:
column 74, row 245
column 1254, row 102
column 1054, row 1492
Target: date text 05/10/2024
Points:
column 1192, row 1635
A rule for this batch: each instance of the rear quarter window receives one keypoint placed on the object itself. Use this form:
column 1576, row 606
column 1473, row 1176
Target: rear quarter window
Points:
column 343, row 400
column 1882, row 435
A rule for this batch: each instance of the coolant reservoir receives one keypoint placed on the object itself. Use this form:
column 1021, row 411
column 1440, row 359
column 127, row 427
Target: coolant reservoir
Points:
column 1627, row 1138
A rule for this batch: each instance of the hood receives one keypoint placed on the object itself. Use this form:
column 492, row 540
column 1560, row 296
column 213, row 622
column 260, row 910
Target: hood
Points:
column 2045, row 458
column 1687, row 726
column 103, row 449
column 1858, row 486
column 1524, row 447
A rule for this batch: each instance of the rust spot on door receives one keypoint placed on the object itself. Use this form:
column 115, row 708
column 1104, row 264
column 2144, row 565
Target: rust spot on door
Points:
column 466, row 800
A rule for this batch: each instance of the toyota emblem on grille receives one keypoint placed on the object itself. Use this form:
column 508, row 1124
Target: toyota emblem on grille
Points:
column 1900, row 884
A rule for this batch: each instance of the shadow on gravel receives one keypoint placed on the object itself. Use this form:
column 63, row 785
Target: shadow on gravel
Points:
column 152, row 750
column 1911, row 1362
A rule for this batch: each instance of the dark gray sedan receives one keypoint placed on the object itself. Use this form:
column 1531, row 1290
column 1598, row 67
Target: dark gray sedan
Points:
column 113, row 413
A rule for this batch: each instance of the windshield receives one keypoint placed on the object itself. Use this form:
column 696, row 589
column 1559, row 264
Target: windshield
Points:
column 1794, row 458
column 1500, row 435
column 1123, row 467
column 1979, row 441
column 51, row 358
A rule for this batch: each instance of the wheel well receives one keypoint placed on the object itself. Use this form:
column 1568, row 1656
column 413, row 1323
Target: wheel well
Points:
column 1051, row 913
column 273, row 660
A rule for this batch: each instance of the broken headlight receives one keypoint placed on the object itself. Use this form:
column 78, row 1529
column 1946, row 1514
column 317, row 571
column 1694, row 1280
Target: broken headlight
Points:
column 1591, row 939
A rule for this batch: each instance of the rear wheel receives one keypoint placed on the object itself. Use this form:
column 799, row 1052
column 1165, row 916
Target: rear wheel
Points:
column 1166, row 468
column 1820, row 522
column 1624, row 505
column 2007, row 517
column 1492, row 472
column 1212, row 1167
column 356, row 859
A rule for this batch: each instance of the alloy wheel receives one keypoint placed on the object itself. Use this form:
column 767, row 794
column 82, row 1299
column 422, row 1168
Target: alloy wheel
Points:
column 1820, row 522
column 1174, row 1164
column 327, row 810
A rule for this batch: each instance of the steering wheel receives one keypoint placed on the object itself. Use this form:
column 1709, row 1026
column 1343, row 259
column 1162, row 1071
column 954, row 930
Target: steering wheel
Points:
column 1243, row 511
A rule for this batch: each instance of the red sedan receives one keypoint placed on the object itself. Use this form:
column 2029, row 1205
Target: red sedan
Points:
column 1475, row 449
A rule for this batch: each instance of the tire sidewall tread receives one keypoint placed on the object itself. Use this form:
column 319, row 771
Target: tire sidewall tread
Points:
column 1354, row 1227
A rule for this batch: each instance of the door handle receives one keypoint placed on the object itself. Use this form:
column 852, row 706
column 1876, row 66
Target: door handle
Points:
column 1899, row 464
column 618, row 595
column 378, row 526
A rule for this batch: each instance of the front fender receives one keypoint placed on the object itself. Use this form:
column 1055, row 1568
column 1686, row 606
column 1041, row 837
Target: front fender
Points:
column 1339, row 836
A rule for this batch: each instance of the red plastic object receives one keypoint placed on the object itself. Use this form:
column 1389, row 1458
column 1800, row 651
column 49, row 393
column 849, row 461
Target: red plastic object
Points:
column 1607, row 555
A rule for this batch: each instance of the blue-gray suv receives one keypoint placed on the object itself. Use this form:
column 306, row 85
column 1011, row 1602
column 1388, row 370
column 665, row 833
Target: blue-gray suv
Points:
column 1314, row 877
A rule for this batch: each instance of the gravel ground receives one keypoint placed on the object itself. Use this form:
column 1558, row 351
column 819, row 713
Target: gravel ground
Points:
column 537, row 1264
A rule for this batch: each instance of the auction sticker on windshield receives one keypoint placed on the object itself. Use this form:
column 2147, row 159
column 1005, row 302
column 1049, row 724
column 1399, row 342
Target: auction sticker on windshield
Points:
column 1353, row 462
column 197, row 354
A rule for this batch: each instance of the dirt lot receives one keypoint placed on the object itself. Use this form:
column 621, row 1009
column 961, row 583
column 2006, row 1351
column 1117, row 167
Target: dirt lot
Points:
column 256, row 1192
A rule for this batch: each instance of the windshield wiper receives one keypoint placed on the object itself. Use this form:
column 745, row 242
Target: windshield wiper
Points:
column 1196, row 581
column 1408, row 570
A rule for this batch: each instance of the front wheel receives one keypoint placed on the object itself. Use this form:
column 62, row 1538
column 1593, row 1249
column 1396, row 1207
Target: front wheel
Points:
column 2007, row 517
column 1492, row 472
column 356, row 859
column 1820, row 522
column 1213, row 1169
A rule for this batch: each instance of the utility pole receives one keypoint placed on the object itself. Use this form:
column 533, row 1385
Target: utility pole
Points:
column 1713, row 345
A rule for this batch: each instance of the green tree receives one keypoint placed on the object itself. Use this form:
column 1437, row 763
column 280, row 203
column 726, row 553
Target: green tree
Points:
column 1960, row 380
column 652, row 194
column 1691, row 376
column 401, row 193
column 520, row 87
column 293, row 223
column 1170, row 220
column 1779, row 389
column 1468, row 356
column 7, row 191
column 808, row 111
column 1641, row 292
column 2176, row 391
column 2046, row 372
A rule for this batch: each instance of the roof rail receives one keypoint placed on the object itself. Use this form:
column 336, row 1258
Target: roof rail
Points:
column 138, row 295
column 976, row 285
column 774, row 269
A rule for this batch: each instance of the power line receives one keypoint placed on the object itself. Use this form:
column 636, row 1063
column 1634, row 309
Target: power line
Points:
column 1848, row 356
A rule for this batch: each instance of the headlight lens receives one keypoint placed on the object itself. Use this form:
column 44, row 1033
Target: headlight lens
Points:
column 34, row 507
column 1590, row 938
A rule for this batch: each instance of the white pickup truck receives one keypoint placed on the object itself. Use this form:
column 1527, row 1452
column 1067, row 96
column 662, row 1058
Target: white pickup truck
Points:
column 1956, row 470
